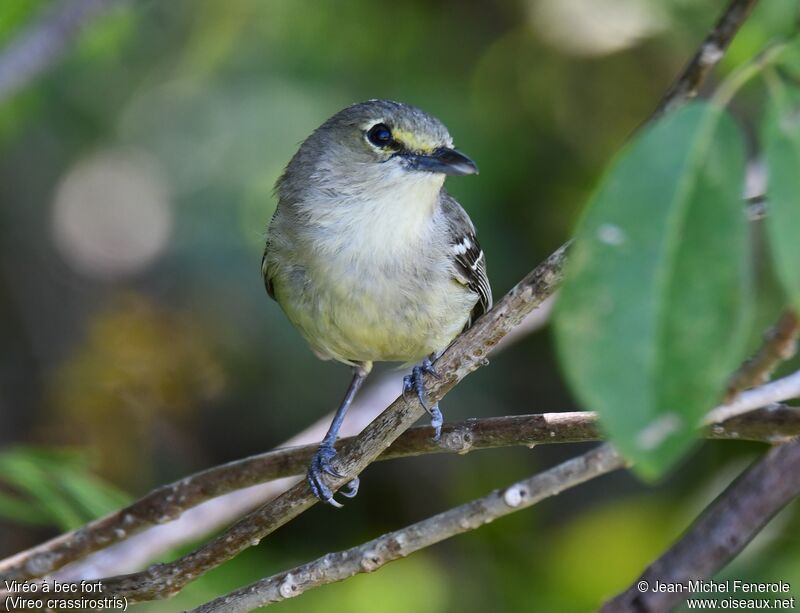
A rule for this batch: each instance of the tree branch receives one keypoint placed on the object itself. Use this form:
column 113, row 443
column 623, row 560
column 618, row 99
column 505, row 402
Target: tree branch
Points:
column 723, row 530
column 765, row 425
column 775, row 391
column 133, row 553
column 389, row 547
column 466, row 354
column 779, row 344
column 713, row 541
column 41, row 45
column 707, row 57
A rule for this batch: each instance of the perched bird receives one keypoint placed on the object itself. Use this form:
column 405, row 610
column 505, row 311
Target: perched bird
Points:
column 367, row 254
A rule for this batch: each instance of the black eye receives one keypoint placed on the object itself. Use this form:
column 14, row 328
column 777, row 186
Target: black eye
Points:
column 379, row 135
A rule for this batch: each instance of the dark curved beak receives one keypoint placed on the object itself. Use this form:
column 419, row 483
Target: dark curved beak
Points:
column 443, row 160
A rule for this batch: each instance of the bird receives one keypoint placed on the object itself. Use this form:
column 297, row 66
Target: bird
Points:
column 369, row 257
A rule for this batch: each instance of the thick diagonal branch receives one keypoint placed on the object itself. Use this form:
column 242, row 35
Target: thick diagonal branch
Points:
column 723, row 530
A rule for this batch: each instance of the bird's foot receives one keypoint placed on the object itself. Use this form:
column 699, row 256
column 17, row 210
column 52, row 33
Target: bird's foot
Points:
column 414, row 382
column 320, row 465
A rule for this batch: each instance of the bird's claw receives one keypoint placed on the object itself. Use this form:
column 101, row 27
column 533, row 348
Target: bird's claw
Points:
column 351, row 488
column 436, row 421
column 321, row 464
column 414, row 382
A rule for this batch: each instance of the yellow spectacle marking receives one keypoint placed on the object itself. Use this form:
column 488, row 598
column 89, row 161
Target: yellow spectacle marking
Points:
column 413, row 142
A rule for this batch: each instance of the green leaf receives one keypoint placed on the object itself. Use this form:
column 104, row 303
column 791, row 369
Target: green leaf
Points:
column 22, row 511
column 653, row 313
column 53, row 487
column 781, row 139
column 91, row 495
column 30, row 474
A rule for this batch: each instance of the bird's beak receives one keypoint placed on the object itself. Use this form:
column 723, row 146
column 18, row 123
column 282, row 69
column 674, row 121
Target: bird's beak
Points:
column 443, row 160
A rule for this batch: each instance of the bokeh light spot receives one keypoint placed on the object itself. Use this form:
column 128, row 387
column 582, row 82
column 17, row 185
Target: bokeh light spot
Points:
column 111, row 214
column 596, row 27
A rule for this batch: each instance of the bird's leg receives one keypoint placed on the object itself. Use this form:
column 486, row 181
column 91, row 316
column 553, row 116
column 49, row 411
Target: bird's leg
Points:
column 414, row 382
column 321, row 462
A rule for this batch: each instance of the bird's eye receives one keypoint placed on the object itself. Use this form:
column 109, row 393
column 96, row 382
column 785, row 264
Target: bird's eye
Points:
column 379, row 135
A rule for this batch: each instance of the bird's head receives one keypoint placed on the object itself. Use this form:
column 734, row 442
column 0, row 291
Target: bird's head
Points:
column 374, row 146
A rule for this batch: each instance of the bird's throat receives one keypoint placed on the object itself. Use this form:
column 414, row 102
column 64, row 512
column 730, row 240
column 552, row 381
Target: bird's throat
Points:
column 386, row 221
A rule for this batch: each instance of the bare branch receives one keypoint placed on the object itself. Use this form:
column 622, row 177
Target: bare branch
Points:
column 780, row 344
column 135, row 552
column 389, row 547
column 707, row 57
column 169, row 501
column 776, row 391
column 43, row 43
column 778, row 422
column 723, row 530
column 775, row 423
column 467, row 353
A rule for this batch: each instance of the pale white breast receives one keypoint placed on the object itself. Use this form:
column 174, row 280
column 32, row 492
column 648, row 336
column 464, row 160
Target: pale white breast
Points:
column 371, row 278
column 395, row 217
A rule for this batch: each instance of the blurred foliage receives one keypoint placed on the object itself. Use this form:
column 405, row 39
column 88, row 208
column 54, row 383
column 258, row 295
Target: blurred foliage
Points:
column 53, row 487
column 173, row 359
column 623, row 530
column 14, row 15
column 781, row 136
column 146, row 368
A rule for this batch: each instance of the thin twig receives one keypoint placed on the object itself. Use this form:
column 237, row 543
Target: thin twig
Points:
column 389, row 547
column 707, row 57
column 779, row 345
column 765, row 425
column 720, row 533
column 775, row 391
column 43, row 43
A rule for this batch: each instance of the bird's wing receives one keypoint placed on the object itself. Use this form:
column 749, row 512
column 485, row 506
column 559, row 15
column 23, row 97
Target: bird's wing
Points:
column 266, row 274
column 468, row 258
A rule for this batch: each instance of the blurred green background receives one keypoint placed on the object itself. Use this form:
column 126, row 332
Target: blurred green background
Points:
column 137, row 343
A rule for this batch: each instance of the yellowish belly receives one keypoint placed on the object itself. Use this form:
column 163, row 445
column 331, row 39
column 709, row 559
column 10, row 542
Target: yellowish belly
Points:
column 382, row 321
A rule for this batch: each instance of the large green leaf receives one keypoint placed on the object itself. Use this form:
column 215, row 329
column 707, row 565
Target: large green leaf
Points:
column 781, row 139
column 653, row 312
